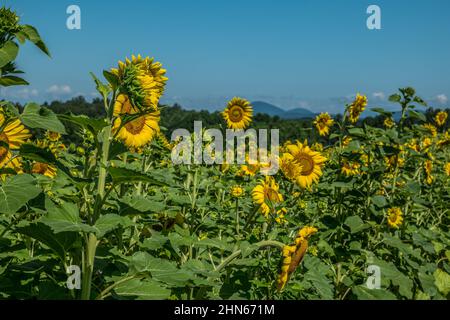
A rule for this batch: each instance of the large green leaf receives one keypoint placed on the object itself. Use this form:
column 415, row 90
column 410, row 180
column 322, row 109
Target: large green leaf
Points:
column 146, row 289
column 109, row 222
column 64, row 218
column 16, row 191
column 8, row 81
column 8, row 53
column 93, row 125
column 403, row 247
column 442, row 281
column 35, row 116
column 32, row 34
column 140, row 204
column 160, row 269
column 155, row 242
column 60, row 243
column 364, row 293
column 356, row 224
column 390, row 274
column 379, row 201
column 123, row 175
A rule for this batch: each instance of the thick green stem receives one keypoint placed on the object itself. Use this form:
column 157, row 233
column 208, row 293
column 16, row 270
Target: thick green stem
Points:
column 237, row 217
column 260, row 245
column 91, row 239
column 88, row 267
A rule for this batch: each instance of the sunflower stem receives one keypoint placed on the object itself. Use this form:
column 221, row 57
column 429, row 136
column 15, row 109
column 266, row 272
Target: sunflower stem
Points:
column 91, row 239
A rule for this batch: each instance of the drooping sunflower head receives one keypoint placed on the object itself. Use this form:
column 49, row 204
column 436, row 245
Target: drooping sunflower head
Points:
column 266, row 194
column 142, row 80
column 307, row 231
column 394, row 217
column 310, row 161
column 238, row 113
column 441, row 118
column 357, row 107
column 138, row 131
column 323, row 122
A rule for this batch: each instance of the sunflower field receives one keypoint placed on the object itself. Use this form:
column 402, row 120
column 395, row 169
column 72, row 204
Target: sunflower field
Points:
column 112, row 217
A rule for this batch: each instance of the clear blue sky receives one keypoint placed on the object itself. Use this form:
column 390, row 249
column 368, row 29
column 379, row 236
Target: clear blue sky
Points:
column 310, row 53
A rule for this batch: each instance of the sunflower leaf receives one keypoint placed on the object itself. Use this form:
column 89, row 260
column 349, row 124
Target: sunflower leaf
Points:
column 37, row 117
column 12, row 197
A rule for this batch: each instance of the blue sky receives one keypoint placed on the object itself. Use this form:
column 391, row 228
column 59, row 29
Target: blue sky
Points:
column 300, row 53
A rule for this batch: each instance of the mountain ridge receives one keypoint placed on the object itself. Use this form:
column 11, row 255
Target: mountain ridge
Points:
column 272, row 110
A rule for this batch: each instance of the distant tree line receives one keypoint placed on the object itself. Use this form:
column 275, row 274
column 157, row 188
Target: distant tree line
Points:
column 175, row 117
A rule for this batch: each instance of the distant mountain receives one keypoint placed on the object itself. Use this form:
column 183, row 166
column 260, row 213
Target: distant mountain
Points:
column 267, row 108
column 298, row 113
column 271, row 110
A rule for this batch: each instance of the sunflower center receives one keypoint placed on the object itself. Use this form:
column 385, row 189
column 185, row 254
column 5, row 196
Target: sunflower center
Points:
column 236, row 113
column 39, row 168
column 307, row 164
column 135, row 126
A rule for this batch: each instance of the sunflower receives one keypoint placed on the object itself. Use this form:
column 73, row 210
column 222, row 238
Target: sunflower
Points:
column 293, row 255
column 250, row 168
column 44, row 169
column 7, row 161
column 139, row 131
column 426, row 143
column 290, row 168
column 445, row 140
column 323, row 122
column 394, row 161
column 346, row 141
column 52, row 136
column 350, row 168
column 389, row 122
column 280, row 219
column 413, row 145
column 142, row 80
column 441, row 118
column 236, row 191
column 394, row 217
column 447, row 168
column 14, row 133
column 430, row 128
column 163, row 140
column 428, row 166
column 266, row 195
column 357, row 107
column 238, row 113
column 310, row 161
